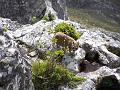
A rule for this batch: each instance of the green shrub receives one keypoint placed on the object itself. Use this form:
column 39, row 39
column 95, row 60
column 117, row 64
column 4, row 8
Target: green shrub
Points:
column 49, row 17
column 56, row 55
column 67, row 29
column 48, row 75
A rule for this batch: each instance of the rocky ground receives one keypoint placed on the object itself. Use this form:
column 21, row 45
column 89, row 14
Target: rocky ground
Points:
column 19, row 47
column 18, row 38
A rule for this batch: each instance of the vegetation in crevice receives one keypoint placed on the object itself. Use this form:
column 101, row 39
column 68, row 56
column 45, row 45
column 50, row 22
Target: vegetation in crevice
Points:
column 49, row 17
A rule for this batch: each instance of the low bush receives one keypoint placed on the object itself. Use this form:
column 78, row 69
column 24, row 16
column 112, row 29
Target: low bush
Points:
column 67, row 29
column 48, row 75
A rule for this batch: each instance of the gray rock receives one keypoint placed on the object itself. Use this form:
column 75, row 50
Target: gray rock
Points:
column 8, row 24
column 23, row 11
column 87, row 85
column 60, row 7
column 15, row 69
column 57, row 8
column 38, row 37
column 30, row 11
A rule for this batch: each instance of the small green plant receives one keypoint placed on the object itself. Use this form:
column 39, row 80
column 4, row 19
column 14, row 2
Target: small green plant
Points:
column 67, row 29
column 51, row 31
column 5, row 29
column 53, row 40
column 49, row 17
column 34, row 19
column 48, row 75
column 45, row 18
column 39, row 45
column 56, row 55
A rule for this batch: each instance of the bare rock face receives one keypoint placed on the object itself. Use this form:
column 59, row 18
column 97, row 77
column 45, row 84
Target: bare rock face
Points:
column 15, row 72
column 22, row 10
column 60, row 7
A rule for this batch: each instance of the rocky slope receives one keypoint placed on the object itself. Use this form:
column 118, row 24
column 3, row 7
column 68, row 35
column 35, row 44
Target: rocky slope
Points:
column 109, row 8
column 20, row 45
column 97, row 13
column 15, row 69
column 105, row 43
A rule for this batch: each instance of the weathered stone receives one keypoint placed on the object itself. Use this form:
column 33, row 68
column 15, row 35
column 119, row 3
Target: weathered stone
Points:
column 31, row 11
column 38, row 34
column 60, row 7
column 15, row 70
column 22, row 10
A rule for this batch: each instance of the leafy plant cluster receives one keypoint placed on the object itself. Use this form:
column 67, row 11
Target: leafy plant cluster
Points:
column 49, row 17
column 67, row 29
column 48, row 75
column 55, row 55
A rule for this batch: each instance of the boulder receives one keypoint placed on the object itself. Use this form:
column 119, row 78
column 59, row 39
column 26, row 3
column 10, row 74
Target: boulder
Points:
column 15, row 69
column 60, row 7
column 31, row 11
column 22, row 10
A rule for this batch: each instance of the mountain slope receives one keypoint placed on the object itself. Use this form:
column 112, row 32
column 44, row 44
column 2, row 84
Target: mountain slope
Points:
column 100, row 13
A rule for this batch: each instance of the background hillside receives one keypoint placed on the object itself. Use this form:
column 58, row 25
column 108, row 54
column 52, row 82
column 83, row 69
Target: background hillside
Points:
column 99, row 13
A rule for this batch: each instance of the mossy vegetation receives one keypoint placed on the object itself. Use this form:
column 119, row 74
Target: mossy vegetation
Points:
column 49, row 17
column 55, row 55
column 39, row 45
column 48, row 75
column 67, row 29
column 34, row 19
column 89, row 19
column 5, row 29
